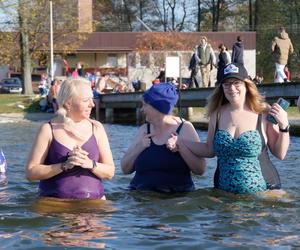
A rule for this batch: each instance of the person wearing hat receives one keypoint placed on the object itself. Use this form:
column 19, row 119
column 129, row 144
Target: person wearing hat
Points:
column 205, row 58
column 238, row 134
column 155, row 166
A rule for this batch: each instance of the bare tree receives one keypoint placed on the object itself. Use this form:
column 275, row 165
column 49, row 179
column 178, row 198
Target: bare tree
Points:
column 199, row 15
column 24, row 42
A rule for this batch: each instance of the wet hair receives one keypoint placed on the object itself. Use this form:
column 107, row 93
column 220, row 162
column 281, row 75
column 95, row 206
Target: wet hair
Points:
column 254, row 99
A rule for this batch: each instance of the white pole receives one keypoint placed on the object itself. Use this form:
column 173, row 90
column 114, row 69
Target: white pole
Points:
column 51, row 43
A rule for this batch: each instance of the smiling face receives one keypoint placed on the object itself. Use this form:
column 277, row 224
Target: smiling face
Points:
column 234, row 90
column 81, row 105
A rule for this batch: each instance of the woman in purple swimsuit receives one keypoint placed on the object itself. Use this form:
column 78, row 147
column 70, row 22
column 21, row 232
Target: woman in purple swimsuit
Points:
column 71, row 154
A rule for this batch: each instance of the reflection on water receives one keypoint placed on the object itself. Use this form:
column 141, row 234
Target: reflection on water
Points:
column 79, row 222
column 203, row 219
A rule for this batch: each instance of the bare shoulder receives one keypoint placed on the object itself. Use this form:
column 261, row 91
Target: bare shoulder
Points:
column 187, row 125
column 143, row 129
column 45, row 129
column 98, row 126
column 45, row 132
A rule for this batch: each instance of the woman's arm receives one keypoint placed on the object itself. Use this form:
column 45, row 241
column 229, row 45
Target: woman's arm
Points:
column 140, row 142
column 201, row 149
column 278, row 141
column 35, row 169
column 105, row 167
column 196, row 163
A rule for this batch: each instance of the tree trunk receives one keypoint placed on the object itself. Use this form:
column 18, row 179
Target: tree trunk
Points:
column 25, row 54
column 199, row 16
column 250, row 16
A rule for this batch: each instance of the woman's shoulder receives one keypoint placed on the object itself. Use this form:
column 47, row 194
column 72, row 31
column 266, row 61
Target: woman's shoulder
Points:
column 96, row 124
column 45, row 130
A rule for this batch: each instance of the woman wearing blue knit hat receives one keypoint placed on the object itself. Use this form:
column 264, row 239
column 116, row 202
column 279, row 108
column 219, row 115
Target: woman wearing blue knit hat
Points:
column 155, row 166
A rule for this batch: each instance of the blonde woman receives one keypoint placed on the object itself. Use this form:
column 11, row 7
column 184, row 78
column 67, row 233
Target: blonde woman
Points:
column 71, row 153
column 238, row 132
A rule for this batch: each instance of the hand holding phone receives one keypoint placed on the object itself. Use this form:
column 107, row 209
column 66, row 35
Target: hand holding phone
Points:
column 284, row 104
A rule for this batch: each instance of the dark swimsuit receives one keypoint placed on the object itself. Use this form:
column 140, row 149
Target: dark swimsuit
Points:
column 158, row 169
column 76, row 183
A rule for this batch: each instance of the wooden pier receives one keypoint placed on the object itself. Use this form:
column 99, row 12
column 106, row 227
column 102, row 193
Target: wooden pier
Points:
column 127, row 105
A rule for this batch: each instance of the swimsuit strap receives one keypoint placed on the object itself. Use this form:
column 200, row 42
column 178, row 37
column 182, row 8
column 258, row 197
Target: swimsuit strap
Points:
column 50, row 123
column 180, row 126
column 93, row 128
column 268, row 169
column 217, row 121
column 259, row 129
column 177, row 130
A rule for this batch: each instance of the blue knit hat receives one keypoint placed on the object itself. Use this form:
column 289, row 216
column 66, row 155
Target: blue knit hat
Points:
column 163, row 97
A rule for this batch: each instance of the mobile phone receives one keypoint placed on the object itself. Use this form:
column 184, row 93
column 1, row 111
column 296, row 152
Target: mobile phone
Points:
column 284, row 104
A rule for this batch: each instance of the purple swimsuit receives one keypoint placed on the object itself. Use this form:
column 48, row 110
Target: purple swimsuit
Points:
column 76, row 183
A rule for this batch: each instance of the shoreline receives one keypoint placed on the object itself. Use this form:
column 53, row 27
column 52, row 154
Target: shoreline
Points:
column 197, row 120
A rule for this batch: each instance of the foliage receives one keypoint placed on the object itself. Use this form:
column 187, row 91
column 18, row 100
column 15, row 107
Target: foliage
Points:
column 165, row 41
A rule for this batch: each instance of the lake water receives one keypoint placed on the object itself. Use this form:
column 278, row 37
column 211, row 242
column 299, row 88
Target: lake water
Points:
column 203, row 219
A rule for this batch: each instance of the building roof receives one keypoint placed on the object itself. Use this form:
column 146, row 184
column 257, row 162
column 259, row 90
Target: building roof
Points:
column 128, row 41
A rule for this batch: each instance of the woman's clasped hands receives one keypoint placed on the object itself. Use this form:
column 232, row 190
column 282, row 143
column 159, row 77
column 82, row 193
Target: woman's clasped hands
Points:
column 78, row 157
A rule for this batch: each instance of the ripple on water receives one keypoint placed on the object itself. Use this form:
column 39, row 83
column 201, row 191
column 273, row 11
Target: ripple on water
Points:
column 203, row 219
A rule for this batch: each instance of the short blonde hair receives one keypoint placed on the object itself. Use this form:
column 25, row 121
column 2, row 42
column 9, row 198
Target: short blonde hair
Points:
column 254, row 99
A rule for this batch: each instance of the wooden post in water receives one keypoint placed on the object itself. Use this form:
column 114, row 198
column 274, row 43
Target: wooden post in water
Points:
column 187, row 113
column 109, row 115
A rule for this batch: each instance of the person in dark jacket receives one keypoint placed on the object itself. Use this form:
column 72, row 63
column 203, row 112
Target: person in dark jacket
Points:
column 224, row 58
column 193, row 67
column 238, row 51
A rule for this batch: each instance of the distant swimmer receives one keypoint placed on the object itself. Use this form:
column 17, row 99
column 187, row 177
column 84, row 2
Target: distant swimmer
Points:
column 3, row 167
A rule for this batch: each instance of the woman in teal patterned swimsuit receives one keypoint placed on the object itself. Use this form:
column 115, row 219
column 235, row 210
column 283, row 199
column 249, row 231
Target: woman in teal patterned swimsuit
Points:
column 237, row 131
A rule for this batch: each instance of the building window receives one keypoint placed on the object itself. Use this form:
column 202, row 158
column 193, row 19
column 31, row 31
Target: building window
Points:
column 144, row 59
column 112, row 60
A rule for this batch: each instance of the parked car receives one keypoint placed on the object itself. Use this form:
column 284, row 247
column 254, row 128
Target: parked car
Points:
column 11, row 85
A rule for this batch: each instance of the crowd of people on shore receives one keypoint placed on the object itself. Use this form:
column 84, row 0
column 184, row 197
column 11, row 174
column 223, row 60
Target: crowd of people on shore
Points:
column 204, row 59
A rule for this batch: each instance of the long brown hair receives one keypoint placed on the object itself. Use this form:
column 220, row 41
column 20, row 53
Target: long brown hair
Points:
column 254, row 100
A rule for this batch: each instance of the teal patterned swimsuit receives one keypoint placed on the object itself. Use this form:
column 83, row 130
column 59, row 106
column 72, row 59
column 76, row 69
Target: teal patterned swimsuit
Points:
column 238, row 163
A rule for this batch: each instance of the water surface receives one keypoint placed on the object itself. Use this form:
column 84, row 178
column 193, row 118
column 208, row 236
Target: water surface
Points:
column 203, row 219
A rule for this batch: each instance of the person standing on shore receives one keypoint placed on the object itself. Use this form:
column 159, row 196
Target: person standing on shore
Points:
column 206, row 59
column 238, row 51
column 281, row 48
column 224, row 58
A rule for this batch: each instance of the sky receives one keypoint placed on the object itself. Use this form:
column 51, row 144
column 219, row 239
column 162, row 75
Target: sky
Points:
column 8, row 14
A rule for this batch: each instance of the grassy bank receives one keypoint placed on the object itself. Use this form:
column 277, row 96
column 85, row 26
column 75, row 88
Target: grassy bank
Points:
column 15, row 103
